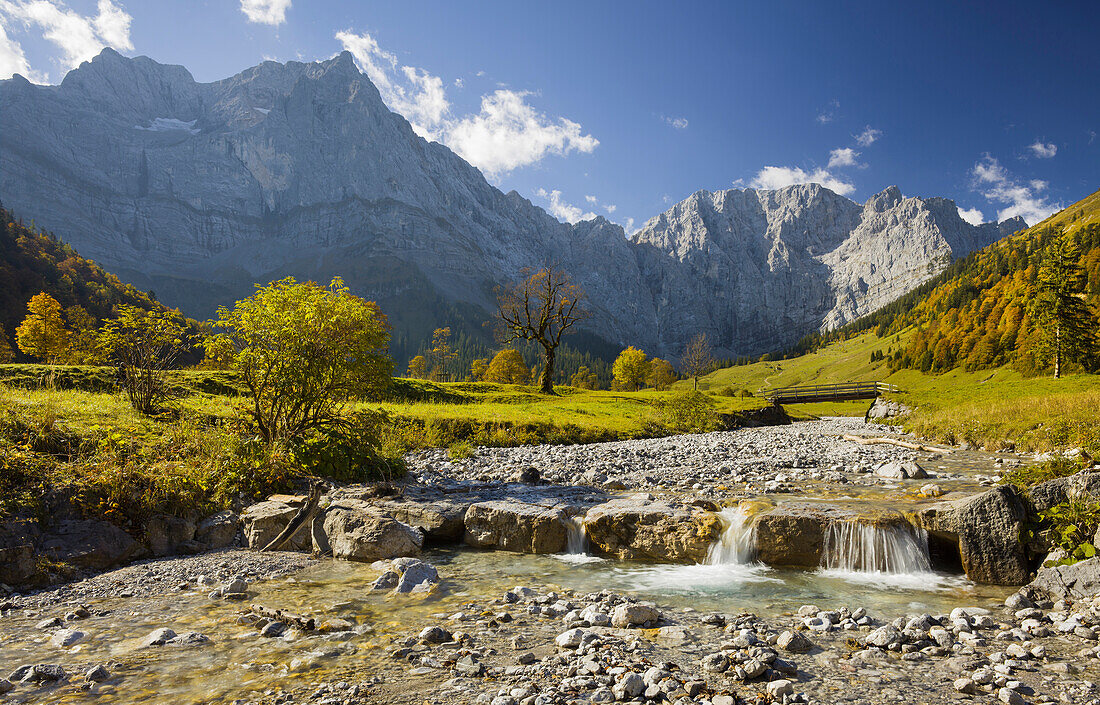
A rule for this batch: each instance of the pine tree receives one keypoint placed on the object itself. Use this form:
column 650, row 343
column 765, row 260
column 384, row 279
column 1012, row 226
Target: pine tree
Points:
column 42, row 333
column 1066, row 323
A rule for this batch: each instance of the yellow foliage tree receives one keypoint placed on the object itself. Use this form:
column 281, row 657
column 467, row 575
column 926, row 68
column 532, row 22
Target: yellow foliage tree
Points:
column 584, row 378
column 42, row 333
column 508, row 367
column 418, row 367
column 478, row 368
column 82, row 348
column 661, row 375
column 631, row 368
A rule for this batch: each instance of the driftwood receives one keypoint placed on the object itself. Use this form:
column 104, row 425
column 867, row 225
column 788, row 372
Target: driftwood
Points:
column 894, row 442
column 305, row 513
column 300, row 621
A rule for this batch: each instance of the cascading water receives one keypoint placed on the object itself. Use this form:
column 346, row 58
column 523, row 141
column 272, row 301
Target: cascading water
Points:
column 737, row 544
column 886, row 555
column 576, row 542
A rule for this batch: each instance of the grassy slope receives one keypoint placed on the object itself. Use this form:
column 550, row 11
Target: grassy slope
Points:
column 988, row 407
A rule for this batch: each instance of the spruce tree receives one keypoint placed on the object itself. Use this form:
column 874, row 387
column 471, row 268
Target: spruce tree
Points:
column 1067, row 325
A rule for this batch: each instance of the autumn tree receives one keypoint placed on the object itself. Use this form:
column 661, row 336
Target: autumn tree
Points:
column 145, row 344
column 1066, row 323
column 303, row 352
column 478, row 368
column 83, row 346
column 697, row 358
column 542, row 308
column 661, row 375
column 508, row 367
column 441, row 354
column 42, row 333
column 418, row 367
column 584, row 378
column 631, row 368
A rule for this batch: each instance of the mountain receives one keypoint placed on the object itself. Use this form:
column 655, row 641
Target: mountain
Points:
column 32, row 261
column 199, row 190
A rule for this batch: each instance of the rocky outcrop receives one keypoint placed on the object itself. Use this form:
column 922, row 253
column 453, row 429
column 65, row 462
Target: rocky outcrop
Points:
column 640, row 528
column 883, row 408
column 201, row 189
column 357, row 531
column 1043, row 496
column 793, row 534
column 263, row 521
column 517, row 526
column 987, row 528
column 441, row 521
column 218, row 530
column 1080, row 580
column 87, row 543
column 167, row 535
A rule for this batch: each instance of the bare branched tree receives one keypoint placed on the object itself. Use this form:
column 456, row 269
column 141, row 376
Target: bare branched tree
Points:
column 542, row 307
column 697, row 358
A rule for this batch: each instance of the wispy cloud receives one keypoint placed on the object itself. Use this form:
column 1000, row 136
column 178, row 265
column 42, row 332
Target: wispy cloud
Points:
column 562, row 210
column 78, row 36
column 1043, row 150
column 995, row 183
column 775, row 177
column 680, row 123
column 829, row 113
column 868, row 137
column 506, row 134
column 14, row 61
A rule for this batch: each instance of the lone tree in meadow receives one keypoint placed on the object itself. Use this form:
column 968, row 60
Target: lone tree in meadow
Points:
column 145, row 344
column 542, row 307
column 697, row 358
column 507, row 367
column 441, row 353
column 1067, row 325
column 631, row 368
column 418, row 367
column 304, row 351
column 661, row 375
column 42, row 333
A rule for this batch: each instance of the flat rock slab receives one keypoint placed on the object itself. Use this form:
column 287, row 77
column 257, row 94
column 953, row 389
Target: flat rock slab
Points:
column 639, row 528
column 517, row 526
column 793, row 534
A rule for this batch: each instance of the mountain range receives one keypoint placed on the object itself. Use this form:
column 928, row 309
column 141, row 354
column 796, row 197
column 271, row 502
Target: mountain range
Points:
column 199, row 190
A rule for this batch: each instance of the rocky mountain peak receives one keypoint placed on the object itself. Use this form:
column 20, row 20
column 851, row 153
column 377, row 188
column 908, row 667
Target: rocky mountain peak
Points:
column 884, row 200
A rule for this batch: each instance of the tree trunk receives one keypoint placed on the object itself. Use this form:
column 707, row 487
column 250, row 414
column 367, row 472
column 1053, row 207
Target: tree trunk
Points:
column 1058, row 352
column 696, row 378
column 546, row 381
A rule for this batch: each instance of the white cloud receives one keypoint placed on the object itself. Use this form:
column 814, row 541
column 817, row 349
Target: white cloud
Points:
column 868, row 136
column 591, row 199
column 775, row 177
column 458, row 83
column 995, row 183
column 845, row 156
column 1043, row 150
column 79, row 37
column 680, row 123
column 829, row 113
column 971, row 215
column 272, row 12
column 13, row 61
column 610, row 208
column 507, row 133
column 562, row 210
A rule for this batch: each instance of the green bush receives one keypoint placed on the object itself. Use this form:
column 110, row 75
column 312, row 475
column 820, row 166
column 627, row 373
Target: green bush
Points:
column 348, row 452
column 1071, row 526
column 688, row 412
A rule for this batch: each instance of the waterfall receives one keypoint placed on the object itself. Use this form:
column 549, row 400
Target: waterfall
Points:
column 851, row 546
column 577, row 537
column 737, row 544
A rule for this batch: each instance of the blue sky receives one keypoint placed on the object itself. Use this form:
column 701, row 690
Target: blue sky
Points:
column 623, row 109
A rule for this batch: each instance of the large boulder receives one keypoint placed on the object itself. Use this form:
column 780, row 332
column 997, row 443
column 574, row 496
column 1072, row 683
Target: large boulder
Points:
column 517, row 526
column 883, row 408
column 1083, row 485
column 441, row 520
column 357, row 531
column 1075, row 581
column 987, row 528
column 263, row 521
column 87, row 543
column 218, row 530
column 167, row 534
column 793, row 534
column 639, row 528
column 17, row 540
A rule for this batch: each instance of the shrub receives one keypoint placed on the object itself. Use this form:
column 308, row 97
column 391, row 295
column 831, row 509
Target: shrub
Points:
column 688, row 412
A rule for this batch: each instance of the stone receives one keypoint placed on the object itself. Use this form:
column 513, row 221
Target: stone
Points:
column 793, row 533
column 159, row 637
column 630, row 685
column 527, row 475
column 777, row 689
column 965, row 685
column 386, row 581
column 1010, row 697
column 440, row 520
column 218, row 530
column 794, row 642
column 97, row 674
column 164, row 534
column 87, row 543
column 883, row 408
column 987, row 528
column 273, row 629
column 18, row 538
column 415, row 575
column 570, row 639
column 6, row 686
column 66, row 637
column 517, row 526
column 883, row 637
column 637, row 528
column 44, row 673
column 357, row 531
column 634, row 615
column 1076, row 581
column 263, row 521
column 469, row 666
column 901, row 470
column 715, row 663
column 434, row 635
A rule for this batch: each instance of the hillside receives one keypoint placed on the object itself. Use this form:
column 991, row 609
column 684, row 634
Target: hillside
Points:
column 32, row 261
column 974, row 314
